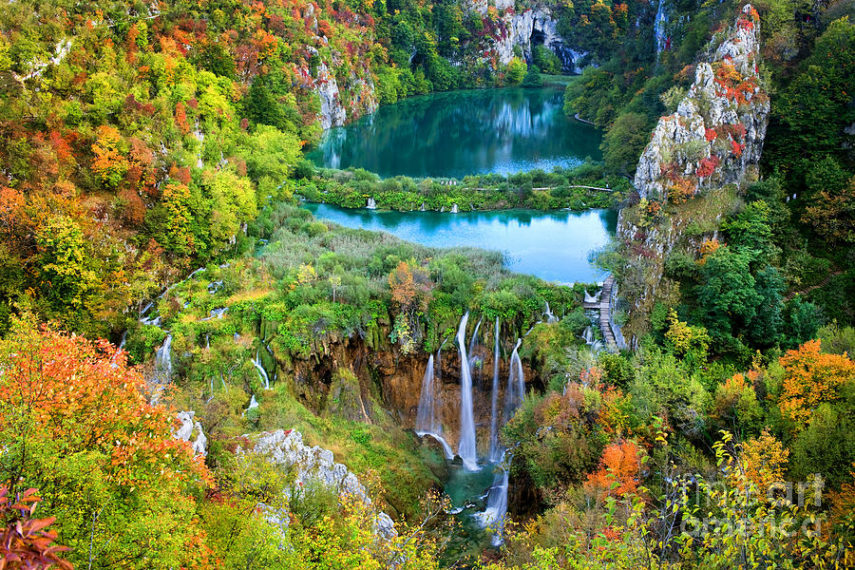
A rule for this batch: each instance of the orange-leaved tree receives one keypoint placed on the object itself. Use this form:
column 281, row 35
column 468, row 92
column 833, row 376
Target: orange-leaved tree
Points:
column 811, row 378
column 619, row 469
column 76, row 424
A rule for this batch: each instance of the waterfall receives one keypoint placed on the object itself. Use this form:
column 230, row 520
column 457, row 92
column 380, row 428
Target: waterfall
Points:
column 163, row 360
column 262, row 373
column 550, row 318
column 475, row 362
column 474, row 340
column 426, row 418
column 124, row 339
column 494, row 421
column 659, row 27
column 253, row 403
column 592, row 298
column 427, row 424
column 372, row 204
column 466, row 448
column 497, row 496
column 515, row 391
column 497, row 503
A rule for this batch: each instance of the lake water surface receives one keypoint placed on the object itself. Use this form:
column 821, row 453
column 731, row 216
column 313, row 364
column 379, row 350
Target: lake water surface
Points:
column 463, row 132
column 551, row 245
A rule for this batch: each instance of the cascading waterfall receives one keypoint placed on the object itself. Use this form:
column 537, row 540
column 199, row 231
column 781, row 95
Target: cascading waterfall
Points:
column 427, row 424
column 515, row 391
column 497, row 497
column 550, row 318
column 497, row 503
column 494, row 420
column 592, row 298
column 466, row 449
column 262, row 373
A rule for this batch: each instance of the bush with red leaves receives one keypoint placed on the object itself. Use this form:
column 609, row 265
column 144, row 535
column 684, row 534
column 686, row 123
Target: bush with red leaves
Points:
column 25, row 541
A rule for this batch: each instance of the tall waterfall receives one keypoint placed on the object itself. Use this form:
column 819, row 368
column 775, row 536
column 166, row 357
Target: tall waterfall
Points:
column 466, row 448
column 494, row 420
column 427, row 423
column 262, row 373
column 426, row 417
column 497, row 497
column 659, row 27
column 515, row 391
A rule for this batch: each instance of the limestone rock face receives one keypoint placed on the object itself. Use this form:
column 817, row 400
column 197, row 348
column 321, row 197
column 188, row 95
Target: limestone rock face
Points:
column 191, row 431
column 716, row 135
column 525, row 29
column 332, row 112
column 339, row 103
column 712, row 144
column 286, row 449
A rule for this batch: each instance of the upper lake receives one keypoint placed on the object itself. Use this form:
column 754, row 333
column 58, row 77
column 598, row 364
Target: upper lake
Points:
column 453, row 134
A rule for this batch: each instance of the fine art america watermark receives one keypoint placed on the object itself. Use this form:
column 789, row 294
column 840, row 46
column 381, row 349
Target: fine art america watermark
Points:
column 788, row 509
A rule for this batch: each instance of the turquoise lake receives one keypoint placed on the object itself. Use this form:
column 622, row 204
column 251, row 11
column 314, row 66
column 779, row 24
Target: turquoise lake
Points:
column 463, row 132
column 551, row 245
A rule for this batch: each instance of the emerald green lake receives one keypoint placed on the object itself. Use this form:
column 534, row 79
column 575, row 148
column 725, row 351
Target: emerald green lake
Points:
column 551, row 245
column 463, row 132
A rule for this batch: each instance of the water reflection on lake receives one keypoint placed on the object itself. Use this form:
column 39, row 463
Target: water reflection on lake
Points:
column 551, row 245
column 463, row 132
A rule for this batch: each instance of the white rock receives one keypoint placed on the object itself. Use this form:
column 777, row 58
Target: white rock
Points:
column 189, row 426
column 316, row 464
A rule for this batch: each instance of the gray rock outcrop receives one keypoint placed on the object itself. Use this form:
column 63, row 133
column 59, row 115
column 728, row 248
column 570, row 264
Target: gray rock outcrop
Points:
column 191, row 432
column 285, row 448
column 711, row 144
column 716, row 136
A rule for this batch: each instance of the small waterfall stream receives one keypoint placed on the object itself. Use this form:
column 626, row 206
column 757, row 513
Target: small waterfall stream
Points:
column 163, row 360
column 466, row 449
column 262, row 373
column 659, row 28
column 494, row 420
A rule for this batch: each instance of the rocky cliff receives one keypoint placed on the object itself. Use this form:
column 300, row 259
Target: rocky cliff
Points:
column 285, row 448
column 708, row 150
column 341, row 98
column 524, row 29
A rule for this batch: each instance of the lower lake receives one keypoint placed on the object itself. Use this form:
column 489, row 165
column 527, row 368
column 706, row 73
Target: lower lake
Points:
column 554, row 245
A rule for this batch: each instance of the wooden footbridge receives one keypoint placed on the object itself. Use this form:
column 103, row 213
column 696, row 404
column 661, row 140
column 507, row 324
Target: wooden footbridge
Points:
column 604, row 308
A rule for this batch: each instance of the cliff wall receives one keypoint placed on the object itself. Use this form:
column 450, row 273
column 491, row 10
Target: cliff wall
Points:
column 698, row 159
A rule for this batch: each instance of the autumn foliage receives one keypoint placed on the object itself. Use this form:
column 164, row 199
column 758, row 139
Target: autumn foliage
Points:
column 84, row 394
column 618, row 473
column 26, row 542
column 77, row 424
column 812, row 378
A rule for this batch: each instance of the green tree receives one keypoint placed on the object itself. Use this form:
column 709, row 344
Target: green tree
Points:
column 516, row 71
column 66, row 266
column 624, row 142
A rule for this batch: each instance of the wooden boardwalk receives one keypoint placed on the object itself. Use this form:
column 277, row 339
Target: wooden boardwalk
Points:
column 604, row 307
